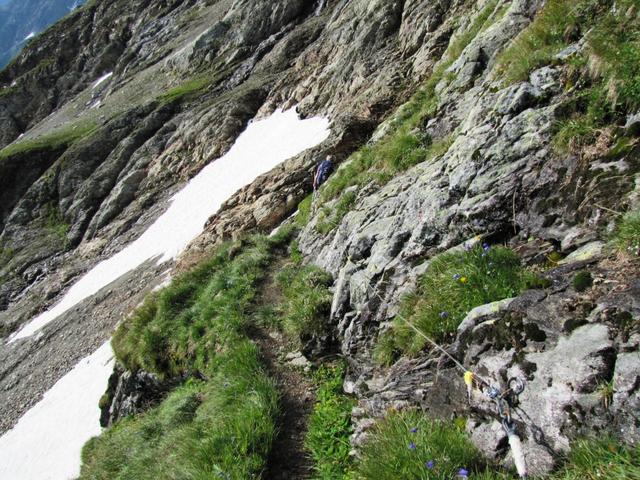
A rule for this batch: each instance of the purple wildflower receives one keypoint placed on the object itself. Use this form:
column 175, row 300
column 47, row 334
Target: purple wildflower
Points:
column 463, row 473
column 457, row 276
column 412, row 446
column 485, row 247
column 444, row 314
column 430, row 464
column 414, row 430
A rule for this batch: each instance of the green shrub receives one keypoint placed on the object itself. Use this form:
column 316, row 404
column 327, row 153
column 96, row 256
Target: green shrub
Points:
column 56, row 140
column 330, row 425
column 409, row 445
column 597, row 459
column 307, row 299
column 627, row 236
column 455, row 283
column 582, row 281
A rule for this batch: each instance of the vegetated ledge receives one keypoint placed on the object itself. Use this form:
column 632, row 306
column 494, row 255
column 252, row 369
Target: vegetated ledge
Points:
column 222, row 420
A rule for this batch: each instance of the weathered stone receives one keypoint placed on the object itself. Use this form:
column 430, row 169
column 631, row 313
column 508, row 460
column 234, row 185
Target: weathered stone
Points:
column 131, row 393
column 626, row 396
column 590, row 252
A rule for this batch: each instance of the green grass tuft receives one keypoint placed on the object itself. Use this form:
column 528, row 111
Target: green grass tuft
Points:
column 58, row 139
column 182, row 327
column 537, row 44
column 627, row 236
column 330, row 426
column 186, row 90
column 6, row 255
column 605, row 74
column 304, row 211
column 222, row 428
column 55, row 224
column 454, row 283
column 582, row 281
column 402, row 444
column 597, row 459
column 307, row 299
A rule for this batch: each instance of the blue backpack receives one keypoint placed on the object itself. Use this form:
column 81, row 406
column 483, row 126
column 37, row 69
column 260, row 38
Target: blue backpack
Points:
column 324, row 170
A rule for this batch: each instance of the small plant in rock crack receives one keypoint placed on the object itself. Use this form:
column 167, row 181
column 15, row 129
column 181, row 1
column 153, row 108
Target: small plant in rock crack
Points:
column 582, row 281
column 605, row 391
column 627, row 236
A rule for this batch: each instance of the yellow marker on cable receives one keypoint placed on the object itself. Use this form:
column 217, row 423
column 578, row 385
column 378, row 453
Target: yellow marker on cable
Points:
column 468, row 380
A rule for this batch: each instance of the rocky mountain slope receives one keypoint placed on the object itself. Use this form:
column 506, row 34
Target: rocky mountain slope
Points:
column 509, row 133
column 20, row 21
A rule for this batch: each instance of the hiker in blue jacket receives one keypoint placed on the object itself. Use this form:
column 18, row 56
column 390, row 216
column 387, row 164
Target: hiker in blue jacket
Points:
column 322, row 172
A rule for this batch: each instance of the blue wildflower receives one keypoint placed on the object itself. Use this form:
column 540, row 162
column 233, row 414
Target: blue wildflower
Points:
column 412, row 446
column 430, row 464
column 463, row 473
column 414, row 430
column 486, row 247
column 457, row 276
column 444, row 314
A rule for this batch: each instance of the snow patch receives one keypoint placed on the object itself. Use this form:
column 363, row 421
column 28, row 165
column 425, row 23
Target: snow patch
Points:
column 102, row 79
column 29, row 37
column 262, row 146
column 46, row 443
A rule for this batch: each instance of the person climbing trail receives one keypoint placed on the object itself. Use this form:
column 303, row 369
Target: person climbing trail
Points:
column 325, row 168
column 322, row 172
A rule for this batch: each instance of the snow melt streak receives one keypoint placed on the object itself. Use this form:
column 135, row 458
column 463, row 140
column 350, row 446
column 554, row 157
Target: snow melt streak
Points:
column 262, row 146
column 46, row 442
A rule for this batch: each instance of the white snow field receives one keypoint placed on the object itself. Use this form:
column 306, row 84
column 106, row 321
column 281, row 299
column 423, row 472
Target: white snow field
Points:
column 262, row 146
column 46, row 442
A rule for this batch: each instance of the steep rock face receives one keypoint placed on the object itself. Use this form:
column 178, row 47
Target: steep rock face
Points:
column 499, row 178
column 563, row 345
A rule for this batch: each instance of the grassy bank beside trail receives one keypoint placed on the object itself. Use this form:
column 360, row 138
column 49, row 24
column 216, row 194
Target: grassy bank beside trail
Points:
column 328, row 438
column 219, row 427
column 408, row 444
column 454, row 283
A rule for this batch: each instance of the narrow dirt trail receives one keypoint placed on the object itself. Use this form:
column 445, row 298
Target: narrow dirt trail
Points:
column 288, row 460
